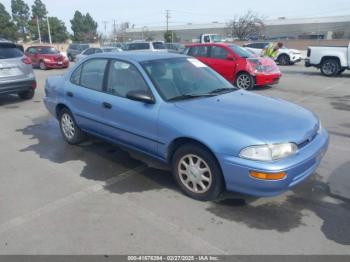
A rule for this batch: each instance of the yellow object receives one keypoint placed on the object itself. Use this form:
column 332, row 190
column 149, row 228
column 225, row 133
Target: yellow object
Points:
column 268, row 176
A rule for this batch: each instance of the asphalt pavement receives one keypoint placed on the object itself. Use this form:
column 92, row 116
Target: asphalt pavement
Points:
column 96, row 198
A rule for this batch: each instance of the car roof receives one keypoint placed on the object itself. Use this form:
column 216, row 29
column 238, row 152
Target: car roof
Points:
column 139, row 56
column 41, row 46
column 210, row 44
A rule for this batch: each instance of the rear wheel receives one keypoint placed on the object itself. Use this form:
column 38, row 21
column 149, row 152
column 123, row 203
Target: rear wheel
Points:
column 284, row 60
column 42, row 65
column 26, row 95
column 330, row 67
column 245, row 81
column 69, row 128
column 197, row 172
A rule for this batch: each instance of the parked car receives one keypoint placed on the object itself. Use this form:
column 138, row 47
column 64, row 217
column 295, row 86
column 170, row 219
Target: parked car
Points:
column 91, row 51
column 236, row 64
column 146, row 46
column 75, row 49
column 16, row 72
column 285, row 55
column 46, row 57
column 175, row 48
column 181, row 112
column 332, row 60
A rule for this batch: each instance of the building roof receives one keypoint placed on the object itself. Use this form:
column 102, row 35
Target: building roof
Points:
column 275, row 22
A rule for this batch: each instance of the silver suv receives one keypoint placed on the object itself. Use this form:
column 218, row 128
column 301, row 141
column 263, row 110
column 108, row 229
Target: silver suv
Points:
column 16, row 72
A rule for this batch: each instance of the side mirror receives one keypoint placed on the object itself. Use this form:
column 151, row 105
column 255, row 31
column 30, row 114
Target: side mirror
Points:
column 230, row 57
column 141, row 96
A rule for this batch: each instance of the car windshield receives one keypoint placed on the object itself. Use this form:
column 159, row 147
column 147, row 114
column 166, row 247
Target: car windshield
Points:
column 47, row 50
column 242, row 52
column 216, row 38
column 159, row 45
column 9, row 51
column 184, row 78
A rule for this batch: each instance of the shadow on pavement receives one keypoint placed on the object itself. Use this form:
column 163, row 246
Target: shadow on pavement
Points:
column 103, row 161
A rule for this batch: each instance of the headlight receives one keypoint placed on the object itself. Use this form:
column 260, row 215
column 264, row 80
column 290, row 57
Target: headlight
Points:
column 269, row 152
column 47, row 60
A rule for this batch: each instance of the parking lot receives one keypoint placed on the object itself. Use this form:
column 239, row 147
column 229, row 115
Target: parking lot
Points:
column 98, row 199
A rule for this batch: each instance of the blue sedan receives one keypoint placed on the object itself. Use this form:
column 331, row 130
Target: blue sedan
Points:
column 174, row 108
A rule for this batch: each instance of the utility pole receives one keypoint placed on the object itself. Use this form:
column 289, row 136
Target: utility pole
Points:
column 48, row 29
column 105, row 27
column 167, row 16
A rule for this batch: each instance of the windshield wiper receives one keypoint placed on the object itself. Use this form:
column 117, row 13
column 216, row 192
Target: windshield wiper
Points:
column 223, row 90
column 189, row 96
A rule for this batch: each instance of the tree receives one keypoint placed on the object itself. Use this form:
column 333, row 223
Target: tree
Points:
column 39, row 9
column 170, row 36
column 7, row 27
column 245, row 26
column 59, row 32
column 20, row 15
column 84, row 27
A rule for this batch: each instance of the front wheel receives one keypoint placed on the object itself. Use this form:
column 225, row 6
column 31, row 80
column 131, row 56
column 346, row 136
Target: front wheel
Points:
column 69, row 128
column 197, row 173
column 42, row 65
column 245, row 81
column 330, row 67
column 284, row 60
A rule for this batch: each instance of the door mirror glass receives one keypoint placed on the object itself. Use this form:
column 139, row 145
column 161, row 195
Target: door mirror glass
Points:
column 140, row 95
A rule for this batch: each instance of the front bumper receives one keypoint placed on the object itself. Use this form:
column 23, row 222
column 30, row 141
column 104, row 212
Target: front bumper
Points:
column 56, row 65
column 298, row 168
column 17, row 86
column 267, row 79
column 295, row 58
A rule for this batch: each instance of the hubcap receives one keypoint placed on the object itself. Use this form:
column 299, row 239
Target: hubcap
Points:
column 67, row 126
column 329, row 68
column 195, row 174
column 244, row 81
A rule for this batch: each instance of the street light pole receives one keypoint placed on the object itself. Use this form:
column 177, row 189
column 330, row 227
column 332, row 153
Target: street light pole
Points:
column 48, row 29
column 37, row 24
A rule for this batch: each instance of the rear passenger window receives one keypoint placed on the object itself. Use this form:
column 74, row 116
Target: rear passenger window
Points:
column 92, row 74
column 193, row 51
column 123, row 78
column 218, row 52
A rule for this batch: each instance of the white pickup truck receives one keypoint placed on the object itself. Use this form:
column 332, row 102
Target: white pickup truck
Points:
column 331, row 60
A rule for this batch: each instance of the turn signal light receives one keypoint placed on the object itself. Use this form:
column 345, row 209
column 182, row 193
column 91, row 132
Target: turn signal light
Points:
column 268, row 176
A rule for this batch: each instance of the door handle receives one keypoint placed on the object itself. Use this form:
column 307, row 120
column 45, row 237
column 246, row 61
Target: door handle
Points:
column 106, row 105
column 70, row 94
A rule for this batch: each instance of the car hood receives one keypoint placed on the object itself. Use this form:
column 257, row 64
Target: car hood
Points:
column 266, row 119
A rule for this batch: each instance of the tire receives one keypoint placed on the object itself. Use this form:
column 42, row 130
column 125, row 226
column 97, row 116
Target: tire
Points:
column 194, row 180
column 245, row 81
column 69, row 128
column 27, row 95
column 341, row 71
column 330, row 67
column 284, row 60
column 42, row 65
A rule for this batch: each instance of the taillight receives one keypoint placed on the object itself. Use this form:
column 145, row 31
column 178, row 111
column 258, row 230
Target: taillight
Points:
column 34, row 84
column 26, row 60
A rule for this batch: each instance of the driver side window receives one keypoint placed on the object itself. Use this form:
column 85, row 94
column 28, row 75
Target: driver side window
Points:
column 124, row 77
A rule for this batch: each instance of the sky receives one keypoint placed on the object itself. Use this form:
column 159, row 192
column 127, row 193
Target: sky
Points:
column 152, row 12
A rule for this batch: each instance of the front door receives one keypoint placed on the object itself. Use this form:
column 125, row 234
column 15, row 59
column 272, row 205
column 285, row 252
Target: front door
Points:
column 220, row 62
column 131, row 122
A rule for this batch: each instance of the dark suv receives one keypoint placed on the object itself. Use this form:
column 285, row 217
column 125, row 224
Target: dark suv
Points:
column 16, row 73
column 76, row 49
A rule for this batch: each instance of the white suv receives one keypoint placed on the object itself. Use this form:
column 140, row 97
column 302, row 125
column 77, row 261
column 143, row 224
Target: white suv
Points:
column 157, row 46
column 285, row 55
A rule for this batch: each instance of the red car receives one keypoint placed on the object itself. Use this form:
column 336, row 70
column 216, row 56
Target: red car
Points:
column 46, row 57
column 239, row 66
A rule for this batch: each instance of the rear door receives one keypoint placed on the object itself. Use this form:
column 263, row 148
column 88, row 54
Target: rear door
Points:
column 201, row 52
column 12, row 65
column 220, row 62
column 84, row 94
